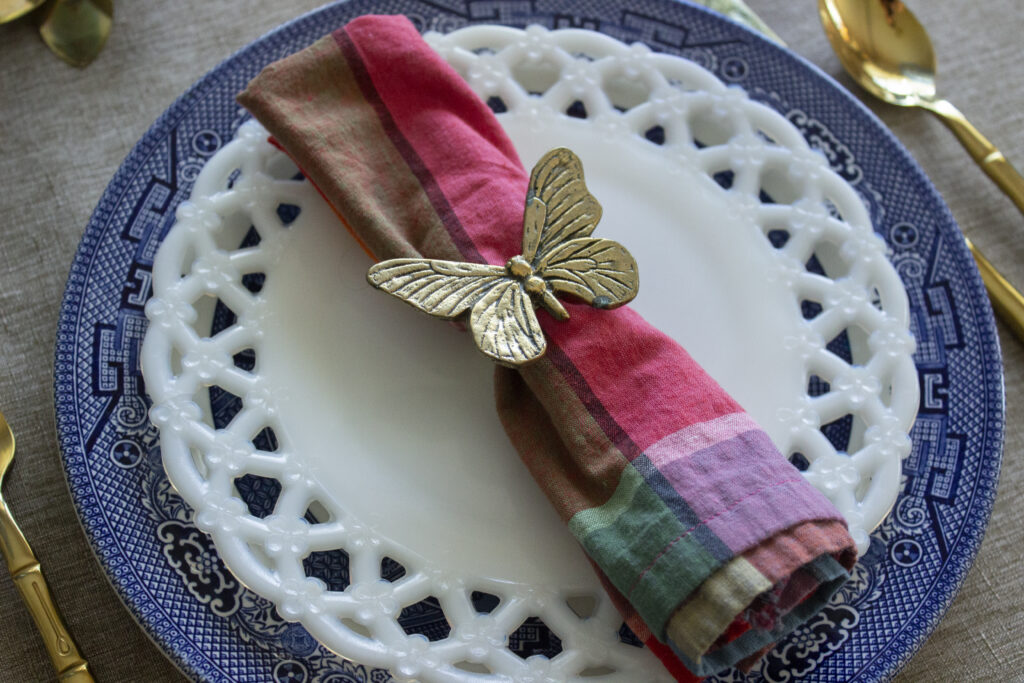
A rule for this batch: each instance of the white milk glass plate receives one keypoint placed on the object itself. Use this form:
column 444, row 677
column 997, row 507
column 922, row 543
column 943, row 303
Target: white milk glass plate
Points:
column 269, row 359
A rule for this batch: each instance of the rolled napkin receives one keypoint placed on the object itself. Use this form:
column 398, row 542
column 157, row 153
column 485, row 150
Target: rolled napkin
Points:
column 710, row 542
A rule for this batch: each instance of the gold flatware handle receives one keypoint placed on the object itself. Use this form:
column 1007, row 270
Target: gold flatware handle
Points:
column 1006, row 300
column 28, row 577
column 984, row 153
column 13, row 9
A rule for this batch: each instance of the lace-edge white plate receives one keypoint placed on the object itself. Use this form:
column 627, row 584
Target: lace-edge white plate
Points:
column 640, row 103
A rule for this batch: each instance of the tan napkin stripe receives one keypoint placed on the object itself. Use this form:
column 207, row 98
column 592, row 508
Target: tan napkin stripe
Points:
column 696, row 625
column 313, row 105
column 562, row 444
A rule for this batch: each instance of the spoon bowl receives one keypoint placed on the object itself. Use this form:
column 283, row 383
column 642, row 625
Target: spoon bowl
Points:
column 883, row 46
column 887, row 51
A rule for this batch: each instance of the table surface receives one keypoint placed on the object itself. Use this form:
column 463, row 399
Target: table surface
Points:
column 63, row 133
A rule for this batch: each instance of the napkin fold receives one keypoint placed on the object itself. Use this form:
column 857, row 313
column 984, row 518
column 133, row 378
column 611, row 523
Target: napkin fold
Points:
column 710, row 542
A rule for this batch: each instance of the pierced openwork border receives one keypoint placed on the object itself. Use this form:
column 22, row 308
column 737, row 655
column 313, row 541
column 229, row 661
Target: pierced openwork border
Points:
column 848, row 435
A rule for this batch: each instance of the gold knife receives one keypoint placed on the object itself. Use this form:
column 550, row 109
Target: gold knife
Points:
column 28, row 577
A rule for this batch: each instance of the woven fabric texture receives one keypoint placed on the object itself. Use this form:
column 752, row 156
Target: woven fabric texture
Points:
column 63, row 132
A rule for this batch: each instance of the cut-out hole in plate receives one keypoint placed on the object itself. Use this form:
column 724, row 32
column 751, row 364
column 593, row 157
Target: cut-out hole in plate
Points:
column 536, row 76
column 725, row 178
column 391, row 570
column 484, row 603
column 777, row 187
column 212, row 314
column 816, row 386
column 860, row 352
column 472, row 667
column 356, row 627
column 288, row 213
column 223, row 318
column 199, row 460
column 425, row 618
column 829, row 260
column 876, row 297
column 251, row 239
column 577, row 110
column 245, row 360
column 266, row 440
column 224, row 406
column 840, row 346
column 317, row 513
column 799, row 461
column 233, row 231
column 330, row 566
column 595, row 671
column 496, row 104
column 655, row 134
column 625, row 93
column 583, row 606
column 814, row 266
column 534, row 637
column 175, row 361
column 187, row 259
column 778, row 237
column 863, row 486
column 833, row 210
column 260, row 494
column 282, row 168
column 254, row 282
column 709, row 129
column 838, row 432
column 810, row 309
column 857, row 430
column 627, row 636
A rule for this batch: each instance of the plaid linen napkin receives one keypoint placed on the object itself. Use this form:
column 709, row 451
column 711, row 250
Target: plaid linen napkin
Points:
column 711, row 544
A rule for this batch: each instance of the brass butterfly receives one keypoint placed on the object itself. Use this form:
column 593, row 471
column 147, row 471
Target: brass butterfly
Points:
column 559, row 256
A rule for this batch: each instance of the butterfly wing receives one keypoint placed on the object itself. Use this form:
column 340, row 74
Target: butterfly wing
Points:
column 600, row 272
column 566, row 209
column 444, row 289
column 505, row 326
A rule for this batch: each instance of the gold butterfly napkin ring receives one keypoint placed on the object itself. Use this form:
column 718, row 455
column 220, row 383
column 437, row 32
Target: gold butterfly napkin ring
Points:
column 559, row 256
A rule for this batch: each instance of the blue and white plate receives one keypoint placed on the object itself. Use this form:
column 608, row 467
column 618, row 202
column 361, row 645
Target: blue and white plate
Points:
column 168, row 572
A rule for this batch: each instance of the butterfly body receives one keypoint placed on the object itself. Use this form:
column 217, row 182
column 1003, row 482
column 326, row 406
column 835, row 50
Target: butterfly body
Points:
column 559, row 257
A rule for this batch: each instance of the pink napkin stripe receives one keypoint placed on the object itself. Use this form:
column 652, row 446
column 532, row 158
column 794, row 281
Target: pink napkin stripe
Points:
column 576, row 380
column 427, row 180
column 487, row 207
column 617, row 349
column 696, row 437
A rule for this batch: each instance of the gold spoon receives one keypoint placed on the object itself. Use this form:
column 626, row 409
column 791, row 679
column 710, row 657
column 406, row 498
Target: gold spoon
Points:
column 886, row 50
column 28, row 577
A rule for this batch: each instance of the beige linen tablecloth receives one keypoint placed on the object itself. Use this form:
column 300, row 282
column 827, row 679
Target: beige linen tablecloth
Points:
column 63, row 133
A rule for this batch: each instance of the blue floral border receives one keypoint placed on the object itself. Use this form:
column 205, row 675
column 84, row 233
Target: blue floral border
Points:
column 160, row 567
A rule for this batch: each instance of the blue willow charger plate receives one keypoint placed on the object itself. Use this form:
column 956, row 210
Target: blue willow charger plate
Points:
column 167, row 571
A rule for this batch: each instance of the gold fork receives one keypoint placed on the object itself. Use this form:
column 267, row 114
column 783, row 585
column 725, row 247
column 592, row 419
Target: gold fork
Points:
column 28, row 576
